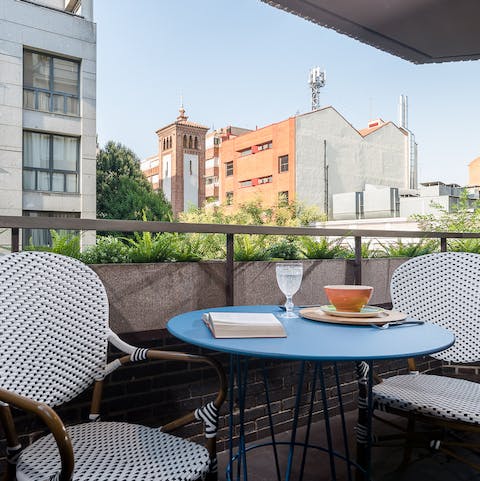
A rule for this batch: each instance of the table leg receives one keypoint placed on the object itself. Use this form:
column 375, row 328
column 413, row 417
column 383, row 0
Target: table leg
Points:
column 364, row 424
column 270, row 421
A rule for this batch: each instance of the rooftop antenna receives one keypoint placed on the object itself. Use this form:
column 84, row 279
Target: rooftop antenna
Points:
column 316, row 80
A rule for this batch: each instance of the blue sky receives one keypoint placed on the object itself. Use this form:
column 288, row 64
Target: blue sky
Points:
column 244, row 63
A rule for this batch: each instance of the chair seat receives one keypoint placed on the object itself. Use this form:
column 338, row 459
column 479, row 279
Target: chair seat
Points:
column 437, row 396
column 108, row 451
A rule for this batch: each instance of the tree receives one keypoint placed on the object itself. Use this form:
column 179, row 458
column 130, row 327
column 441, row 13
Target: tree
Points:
column 464, row 217
column 123, row 192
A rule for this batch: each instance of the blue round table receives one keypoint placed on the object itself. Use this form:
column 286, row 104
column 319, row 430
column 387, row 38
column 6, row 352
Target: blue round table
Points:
column 317, row 342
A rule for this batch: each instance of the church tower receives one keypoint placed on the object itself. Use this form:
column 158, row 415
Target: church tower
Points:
column 181, row 152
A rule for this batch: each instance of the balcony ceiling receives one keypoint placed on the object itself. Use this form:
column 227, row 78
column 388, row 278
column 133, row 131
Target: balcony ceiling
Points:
column 421, row 31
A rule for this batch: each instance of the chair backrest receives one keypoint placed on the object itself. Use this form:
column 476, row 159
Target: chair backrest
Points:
column 53, row 326
column 443, row 289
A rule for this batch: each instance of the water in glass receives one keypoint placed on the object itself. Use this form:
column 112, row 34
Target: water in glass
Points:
column 289, row 278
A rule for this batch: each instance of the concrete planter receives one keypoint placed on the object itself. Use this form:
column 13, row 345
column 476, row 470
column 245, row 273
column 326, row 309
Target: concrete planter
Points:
column 144, row 296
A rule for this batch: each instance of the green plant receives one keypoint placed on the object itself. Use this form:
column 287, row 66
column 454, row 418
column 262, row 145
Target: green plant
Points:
column 146, row 247
column 108, row 250
column 464, row 245
column 285, row 248
column 410, row 249
column 368, row 252
column 250, row 248
column 63, row 242
column 322, row 248
column 187, row 248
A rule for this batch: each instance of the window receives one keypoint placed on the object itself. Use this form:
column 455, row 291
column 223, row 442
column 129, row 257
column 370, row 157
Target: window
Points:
column 190, row 142
column 229, row 198
column 283, row 163
column 50, row 162
column 246, row 183
column 265, row 180
column 42, row 237
column 245, row 152
column 283, row 197
column 265, row 146
column 154, row 163
column 229, row 169
column 51, row 84
column 154, row 179
column 217, row 141
column 185, row 141
column 196, row 143
column 211, row 180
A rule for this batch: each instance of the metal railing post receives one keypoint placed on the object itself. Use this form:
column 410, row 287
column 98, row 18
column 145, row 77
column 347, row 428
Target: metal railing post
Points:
column 443, row 244
column 229, row 266
column 357, row 266
column 15, row 244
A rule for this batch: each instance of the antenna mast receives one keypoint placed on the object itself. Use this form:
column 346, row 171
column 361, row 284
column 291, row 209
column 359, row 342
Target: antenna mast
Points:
column 316, row 80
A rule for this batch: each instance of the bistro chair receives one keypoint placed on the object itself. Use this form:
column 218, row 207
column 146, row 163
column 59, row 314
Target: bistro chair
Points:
column 53, row 345
column 444, row 289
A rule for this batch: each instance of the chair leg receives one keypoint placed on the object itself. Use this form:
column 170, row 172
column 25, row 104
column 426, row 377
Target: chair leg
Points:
column 408, row 447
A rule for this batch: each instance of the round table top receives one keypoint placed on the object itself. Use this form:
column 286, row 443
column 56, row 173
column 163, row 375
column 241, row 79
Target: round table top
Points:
column 316, row 341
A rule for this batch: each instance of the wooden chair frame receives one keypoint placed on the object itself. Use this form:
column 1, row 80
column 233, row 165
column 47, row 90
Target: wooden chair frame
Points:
column 56, row 426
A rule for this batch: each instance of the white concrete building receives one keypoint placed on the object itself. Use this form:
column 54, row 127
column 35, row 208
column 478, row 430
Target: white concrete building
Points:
column 332, row 157
column 47, row 110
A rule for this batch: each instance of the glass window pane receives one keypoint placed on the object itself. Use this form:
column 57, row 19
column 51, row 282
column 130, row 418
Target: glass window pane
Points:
column 36, row 150
column 58, row 103
column 36, row 237
column 72, row 184
column 65, row 76
column 43, row 179
column 58, row 182
column 65, row 150
column 43, row 101
column 36, row 70
column 73, row 106
column 29, row 179
column 28, row 99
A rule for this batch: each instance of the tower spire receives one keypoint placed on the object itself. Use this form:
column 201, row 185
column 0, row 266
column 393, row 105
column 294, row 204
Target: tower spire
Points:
column 182, row 117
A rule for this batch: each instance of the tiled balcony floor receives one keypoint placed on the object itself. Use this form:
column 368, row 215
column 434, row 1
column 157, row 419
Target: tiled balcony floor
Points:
column 424, row 466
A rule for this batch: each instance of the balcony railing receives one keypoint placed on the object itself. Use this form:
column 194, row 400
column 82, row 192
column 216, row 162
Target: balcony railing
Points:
column 15, row 223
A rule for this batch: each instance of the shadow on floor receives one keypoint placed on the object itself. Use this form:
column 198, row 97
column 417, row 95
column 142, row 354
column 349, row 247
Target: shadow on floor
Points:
column 424, row 465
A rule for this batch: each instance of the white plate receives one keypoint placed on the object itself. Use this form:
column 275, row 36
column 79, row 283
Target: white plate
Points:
column 367, row 311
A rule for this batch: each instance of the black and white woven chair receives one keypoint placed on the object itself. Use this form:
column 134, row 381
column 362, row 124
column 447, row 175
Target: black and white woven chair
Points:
column 53, row 345
column 443, row 289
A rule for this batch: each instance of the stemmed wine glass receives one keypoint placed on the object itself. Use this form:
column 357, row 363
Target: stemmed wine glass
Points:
column 289, row 278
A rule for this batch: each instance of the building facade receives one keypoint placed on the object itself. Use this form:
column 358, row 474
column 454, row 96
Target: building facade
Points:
column 151, row 170
column 312, row 157
column 47, row 111
column 213, row 141
column 259, row 164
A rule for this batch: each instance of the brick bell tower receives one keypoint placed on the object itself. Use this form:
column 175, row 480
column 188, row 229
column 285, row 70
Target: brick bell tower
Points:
column 181, row 151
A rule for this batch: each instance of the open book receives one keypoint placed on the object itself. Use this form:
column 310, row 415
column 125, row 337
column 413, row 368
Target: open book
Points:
column 243, row 324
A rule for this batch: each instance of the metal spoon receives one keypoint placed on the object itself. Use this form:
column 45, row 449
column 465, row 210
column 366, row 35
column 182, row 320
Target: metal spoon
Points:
column 397, row 323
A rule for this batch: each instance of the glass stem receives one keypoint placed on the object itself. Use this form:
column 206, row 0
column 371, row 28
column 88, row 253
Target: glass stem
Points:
column 289, row 305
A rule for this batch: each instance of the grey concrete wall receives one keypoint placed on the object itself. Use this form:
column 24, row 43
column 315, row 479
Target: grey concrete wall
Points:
column 26, row 25
column 144, row 296
column 380, row 158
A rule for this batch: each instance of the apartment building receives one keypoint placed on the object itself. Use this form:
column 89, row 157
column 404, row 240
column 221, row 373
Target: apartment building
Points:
column 47, row 111
column 311, row 157
column 150, row 167
column 259, row 164
column 213, row 140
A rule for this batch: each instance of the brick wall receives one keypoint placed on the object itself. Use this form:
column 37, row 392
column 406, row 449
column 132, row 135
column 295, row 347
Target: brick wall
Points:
column 156, row 392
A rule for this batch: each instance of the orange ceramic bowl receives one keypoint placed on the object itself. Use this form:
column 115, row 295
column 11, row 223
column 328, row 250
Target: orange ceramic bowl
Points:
column 349, row 298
